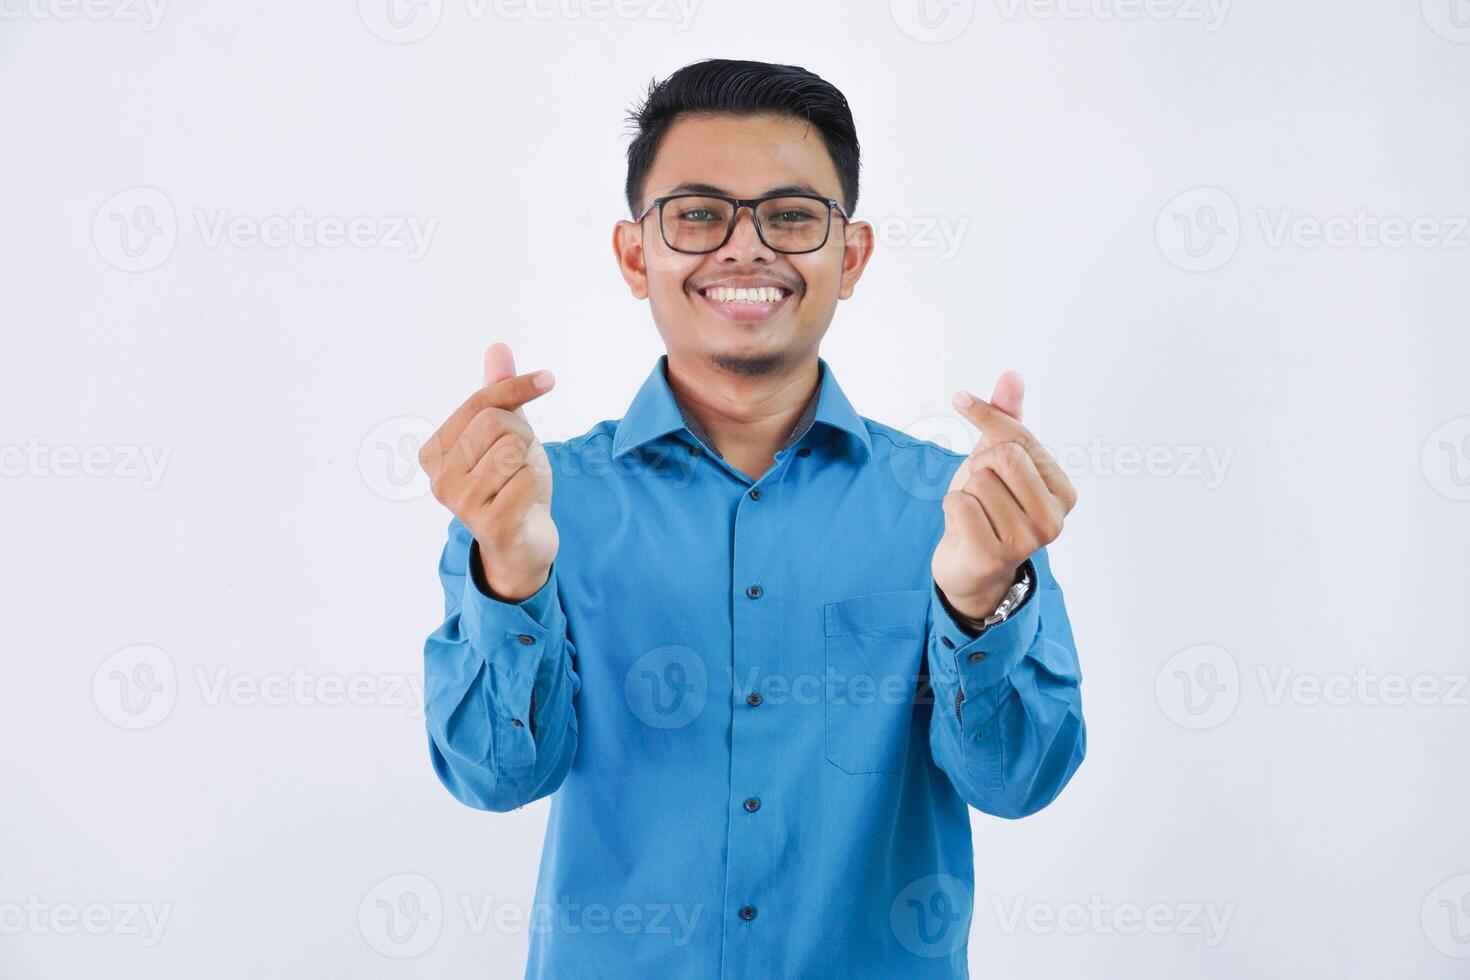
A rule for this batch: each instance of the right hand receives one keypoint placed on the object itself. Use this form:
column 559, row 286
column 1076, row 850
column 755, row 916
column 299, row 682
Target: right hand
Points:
column 487, row 466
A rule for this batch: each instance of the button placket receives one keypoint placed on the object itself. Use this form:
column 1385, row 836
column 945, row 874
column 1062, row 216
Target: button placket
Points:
column 753, row 747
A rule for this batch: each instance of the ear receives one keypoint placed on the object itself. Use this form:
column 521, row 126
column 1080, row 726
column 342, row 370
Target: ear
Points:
column 857, row 249
column 627, row 243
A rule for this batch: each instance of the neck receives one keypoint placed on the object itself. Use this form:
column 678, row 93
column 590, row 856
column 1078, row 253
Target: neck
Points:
column 748, row 416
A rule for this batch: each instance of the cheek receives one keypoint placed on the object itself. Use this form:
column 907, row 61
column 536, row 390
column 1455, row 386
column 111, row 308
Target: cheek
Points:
column 667, row 298
column 821, row 272
column 668, row 270
column 667, row 290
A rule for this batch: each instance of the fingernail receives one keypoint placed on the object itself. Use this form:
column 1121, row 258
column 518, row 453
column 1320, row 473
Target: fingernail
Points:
column 542, row 380
column 963, row 398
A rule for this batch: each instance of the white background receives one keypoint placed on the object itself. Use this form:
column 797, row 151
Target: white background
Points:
column 281, row 390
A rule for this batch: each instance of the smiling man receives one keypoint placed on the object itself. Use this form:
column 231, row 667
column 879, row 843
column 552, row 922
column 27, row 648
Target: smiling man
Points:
column 762, row 651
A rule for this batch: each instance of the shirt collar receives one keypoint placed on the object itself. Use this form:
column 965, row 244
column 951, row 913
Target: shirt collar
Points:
column 655, row 412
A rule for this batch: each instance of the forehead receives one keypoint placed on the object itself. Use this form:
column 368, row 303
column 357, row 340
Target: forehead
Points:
column 745, row 156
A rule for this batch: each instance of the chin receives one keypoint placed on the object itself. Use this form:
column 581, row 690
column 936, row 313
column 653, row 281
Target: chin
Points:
column 748, row 361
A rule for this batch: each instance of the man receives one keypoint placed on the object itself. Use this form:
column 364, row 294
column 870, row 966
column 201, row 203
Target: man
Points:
column 762, row 649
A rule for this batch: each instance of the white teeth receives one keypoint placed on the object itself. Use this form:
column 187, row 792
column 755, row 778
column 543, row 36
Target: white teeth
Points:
column 754, row 294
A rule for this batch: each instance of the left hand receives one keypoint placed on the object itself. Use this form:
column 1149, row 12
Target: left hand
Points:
column 1007, row 500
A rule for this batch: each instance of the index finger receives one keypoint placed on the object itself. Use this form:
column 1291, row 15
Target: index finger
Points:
column 998, row 428
column 995, row 425
column 509, row 394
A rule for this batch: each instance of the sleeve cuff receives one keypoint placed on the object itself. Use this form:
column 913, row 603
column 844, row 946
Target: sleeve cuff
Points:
column 980, row 661
column 480, row 611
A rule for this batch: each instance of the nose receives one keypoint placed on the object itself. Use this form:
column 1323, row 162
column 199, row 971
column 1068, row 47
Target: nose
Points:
column 745, row 243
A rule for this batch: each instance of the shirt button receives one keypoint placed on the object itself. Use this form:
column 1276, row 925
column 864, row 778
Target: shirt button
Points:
column 747, row 912
column 753, row 804
column 754, row 591
column 755, row 493
column 517, row 723
column 976, row 657
column 804, row 451
column 526, row 639
column 753, row 699
column 947, row 642
column 696, row 451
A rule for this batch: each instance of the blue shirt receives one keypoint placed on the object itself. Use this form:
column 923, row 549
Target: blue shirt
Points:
column 760, row 724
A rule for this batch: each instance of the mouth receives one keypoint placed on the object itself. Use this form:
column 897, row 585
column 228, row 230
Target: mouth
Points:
column 746, row 303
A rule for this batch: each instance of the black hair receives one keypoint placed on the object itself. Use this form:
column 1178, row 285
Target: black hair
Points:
column 719, row 85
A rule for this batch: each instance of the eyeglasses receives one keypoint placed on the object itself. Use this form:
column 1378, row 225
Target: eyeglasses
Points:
column 791, row 224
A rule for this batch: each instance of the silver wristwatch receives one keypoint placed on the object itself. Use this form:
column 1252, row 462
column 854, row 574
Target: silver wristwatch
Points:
column 1009, row 603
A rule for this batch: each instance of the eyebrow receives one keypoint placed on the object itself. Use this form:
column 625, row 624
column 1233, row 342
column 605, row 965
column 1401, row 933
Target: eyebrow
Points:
column 696, row 188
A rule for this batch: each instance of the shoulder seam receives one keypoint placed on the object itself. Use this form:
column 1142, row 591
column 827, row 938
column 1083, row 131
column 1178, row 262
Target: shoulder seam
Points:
column 912, row 443
column 592, row 433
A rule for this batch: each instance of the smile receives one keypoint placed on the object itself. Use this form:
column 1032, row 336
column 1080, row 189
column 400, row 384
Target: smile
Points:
column 746, row 302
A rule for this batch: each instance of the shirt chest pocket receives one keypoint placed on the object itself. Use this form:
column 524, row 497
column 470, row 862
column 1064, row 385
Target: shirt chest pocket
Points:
column 874, row 646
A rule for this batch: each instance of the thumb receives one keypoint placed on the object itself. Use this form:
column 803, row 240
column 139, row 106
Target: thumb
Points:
column 499, row 364
column 1010, row 388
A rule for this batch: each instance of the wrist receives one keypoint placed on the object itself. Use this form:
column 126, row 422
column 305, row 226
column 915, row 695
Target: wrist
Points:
column 507, row 585
column 982, row 602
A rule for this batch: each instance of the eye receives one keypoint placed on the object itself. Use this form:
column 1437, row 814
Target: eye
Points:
column 788, row 213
